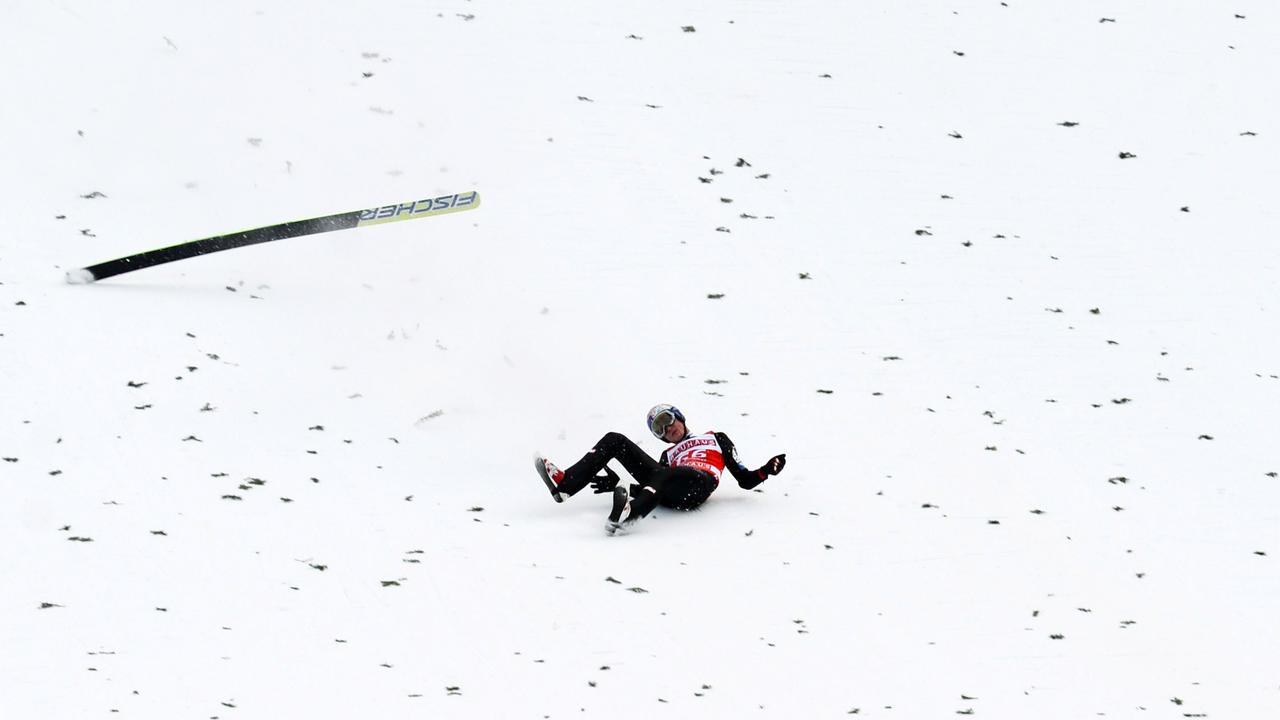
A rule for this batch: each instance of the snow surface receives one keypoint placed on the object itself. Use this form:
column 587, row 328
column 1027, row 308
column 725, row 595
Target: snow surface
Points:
column 80, row 276
column 1028, row 389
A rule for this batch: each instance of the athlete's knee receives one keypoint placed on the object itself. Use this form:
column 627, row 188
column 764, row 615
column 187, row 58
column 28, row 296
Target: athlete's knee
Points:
column 612, row 440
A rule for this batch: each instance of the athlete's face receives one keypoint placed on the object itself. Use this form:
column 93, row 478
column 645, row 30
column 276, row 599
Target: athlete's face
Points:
column 674, row 431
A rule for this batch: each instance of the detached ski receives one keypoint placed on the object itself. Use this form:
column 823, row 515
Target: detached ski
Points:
column 442, row 205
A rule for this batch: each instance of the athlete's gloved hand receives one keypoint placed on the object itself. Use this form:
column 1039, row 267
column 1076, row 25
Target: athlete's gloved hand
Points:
column 606, row 482
column 773, row 467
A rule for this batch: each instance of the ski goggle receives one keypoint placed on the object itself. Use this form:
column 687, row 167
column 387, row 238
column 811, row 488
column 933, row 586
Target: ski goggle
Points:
column 663, row 420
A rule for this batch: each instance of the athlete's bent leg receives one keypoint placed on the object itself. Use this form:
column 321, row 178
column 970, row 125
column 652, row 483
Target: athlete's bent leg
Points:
column 613, row 446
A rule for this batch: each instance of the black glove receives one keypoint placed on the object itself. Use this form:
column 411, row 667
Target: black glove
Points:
column 606, row 482
column 773, row 467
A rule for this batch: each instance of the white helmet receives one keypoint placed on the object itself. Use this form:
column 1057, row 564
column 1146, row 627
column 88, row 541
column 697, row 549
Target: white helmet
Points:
column 660, row 418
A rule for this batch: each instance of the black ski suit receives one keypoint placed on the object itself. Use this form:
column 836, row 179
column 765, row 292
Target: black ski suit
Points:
column 680, row 488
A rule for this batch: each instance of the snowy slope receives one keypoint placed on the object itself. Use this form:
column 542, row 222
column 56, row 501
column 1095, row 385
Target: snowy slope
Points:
column 1028, row 389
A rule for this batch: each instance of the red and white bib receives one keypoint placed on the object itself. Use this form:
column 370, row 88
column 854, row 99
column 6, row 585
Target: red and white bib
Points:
column 700, row 452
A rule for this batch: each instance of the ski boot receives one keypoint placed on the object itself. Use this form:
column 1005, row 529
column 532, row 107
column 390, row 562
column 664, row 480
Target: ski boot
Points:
column 620, row 519
column 550, row 474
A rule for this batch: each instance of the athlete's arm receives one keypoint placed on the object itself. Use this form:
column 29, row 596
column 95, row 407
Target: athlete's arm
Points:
column 747, row 479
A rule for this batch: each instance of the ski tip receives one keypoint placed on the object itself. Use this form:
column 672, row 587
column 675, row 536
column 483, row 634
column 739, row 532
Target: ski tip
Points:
column 83, row 276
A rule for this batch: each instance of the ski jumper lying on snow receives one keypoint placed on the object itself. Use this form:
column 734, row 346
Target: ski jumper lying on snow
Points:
column 682, row 478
